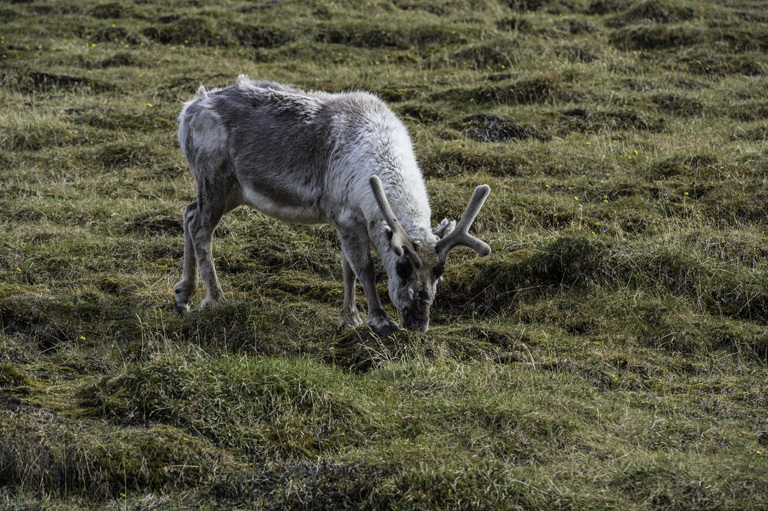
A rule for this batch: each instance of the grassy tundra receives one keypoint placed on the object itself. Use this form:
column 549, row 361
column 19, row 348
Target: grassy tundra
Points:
column 610, row 353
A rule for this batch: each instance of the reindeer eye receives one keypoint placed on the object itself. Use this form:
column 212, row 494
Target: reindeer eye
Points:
column 438, row 270
column 403, row 269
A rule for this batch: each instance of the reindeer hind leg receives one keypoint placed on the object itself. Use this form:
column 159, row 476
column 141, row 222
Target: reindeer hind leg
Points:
column 212, row 205
column 185, row 289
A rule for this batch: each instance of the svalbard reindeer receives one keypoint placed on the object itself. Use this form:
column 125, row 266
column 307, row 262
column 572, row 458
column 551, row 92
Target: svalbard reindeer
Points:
column 312, row 158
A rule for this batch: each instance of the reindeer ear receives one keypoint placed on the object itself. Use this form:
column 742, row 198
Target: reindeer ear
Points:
column 445, row 228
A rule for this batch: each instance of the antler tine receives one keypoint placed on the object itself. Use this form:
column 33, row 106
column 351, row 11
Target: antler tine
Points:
column 400, row 241
column 460, row 235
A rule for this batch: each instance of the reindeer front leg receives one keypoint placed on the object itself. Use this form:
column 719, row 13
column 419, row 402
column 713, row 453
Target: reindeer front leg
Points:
column 350, row 318
column 356, row 256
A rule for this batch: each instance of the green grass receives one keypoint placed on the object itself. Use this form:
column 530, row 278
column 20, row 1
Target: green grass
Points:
column 611, row 353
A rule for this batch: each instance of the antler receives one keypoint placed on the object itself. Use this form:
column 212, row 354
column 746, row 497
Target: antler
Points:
column 400, row 241
column 460, row 235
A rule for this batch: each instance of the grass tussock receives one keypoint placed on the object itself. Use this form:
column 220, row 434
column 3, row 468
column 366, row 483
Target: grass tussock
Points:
column 655, row 11
column 544, row 88
column 609, row 354
column 245, row 406
column 44, row 453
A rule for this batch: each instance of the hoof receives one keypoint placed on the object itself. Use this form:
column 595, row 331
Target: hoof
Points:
column 182, row 309
column 383, row 326
column 350, row 321
column 183, row 293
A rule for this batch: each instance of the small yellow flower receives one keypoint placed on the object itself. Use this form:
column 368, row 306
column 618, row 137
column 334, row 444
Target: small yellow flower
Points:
column 89, row 71
column 185, row 41
column 575, row 198
column 93, row 45
column 547, row 186
column 634, row 52
column 570, row 188
column 605, row 200
column 589, row 143
column 113, row 25
column 82, row 337
column 503, row 66
column 636, row 152
column 141, row 76
column 149, row 105
column 18, row 269
column 686, row 194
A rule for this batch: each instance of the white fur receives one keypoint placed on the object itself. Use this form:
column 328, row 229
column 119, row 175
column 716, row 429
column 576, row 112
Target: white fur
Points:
column 288, row 214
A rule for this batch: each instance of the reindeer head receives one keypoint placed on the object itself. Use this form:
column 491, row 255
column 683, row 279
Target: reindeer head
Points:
column 419, row 264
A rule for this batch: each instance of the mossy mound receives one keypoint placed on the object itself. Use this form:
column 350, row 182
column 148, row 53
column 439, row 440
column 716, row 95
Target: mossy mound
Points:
column 654, row 11
column 54, row 83
column 11, row 376
column 679, row 105
column 246, row 405
column 696, row 166
column 598, row 121
column 542, row 88
column 46, row 329
column 41, row 451
column 493, row 55
column 653, row 37
column 401, row 36
column 118, row 155
column 492, row 128
column 461, row 161
column 548, row 6
column 258, row 36
column 107, row 10
column 705, row 62
column 317, row 486
column 156, row 224
column 189, row 30
column 576, row 261
column 122, row 120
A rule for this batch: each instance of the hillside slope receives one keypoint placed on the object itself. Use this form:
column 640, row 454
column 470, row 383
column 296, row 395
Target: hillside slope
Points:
column 610, row 353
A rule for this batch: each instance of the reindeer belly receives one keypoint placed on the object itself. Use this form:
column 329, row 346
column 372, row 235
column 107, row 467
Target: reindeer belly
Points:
column 292, row 210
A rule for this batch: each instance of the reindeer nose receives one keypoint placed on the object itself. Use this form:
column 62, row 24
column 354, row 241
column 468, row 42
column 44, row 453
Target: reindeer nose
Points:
column 414, row 321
